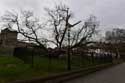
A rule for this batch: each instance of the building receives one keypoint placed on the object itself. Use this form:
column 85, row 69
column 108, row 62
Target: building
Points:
column 8, row 38
column 9, row 41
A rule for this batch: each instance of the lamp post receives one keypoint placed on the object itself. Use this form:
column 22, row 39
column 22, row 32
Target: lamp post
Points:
column 68, row 53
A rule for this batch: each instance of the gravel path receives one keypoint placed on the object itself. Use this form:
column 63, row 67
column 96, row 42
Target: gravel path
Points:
column 111, row 75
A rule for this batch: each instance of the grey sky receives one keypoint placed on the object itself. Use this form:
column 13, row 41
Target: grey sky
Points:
column 109, row 12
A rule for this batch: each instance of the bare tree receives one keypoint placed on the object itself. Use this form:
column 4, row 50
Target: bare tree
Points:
column 82, row 36
column 26, row 24
column 59, row 20
column 64, row 35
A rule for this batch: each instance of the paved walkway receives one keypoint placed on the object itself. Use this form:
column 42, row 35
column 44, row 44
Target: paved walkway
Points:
column 111, row 75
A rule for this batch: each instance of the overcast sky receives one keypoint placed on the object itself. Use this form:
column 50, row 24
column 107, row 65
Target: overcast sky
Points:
column 109, row 12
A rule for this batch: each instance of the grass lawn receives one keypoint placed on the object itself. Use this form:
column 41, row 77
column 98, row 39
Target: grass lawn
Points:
column 12, row 68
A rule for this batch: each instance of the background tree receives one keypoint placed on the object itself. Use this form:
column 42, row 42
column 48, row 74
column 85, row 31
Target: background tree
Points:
column 116, row 38
column 117, row 35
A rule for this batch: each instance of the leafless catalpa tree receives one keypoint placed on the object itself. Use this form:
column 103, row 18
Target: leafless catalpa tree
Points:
column 60, row 19
column 64, row 32
column 26, row 24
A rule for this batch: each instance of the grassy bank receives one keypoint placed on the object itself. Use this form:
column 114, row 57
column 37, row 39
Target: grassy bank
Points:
column 12, row 68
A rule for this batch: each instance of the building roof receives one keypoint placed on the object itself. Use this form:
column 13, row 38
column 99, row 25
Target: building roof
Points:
column 9, row 30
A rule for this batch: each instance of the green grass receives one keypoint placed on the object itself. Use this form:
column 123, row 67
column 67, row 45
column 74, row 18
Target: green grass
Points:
column 12, row 68
column 9, row 60
column 53, row 65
